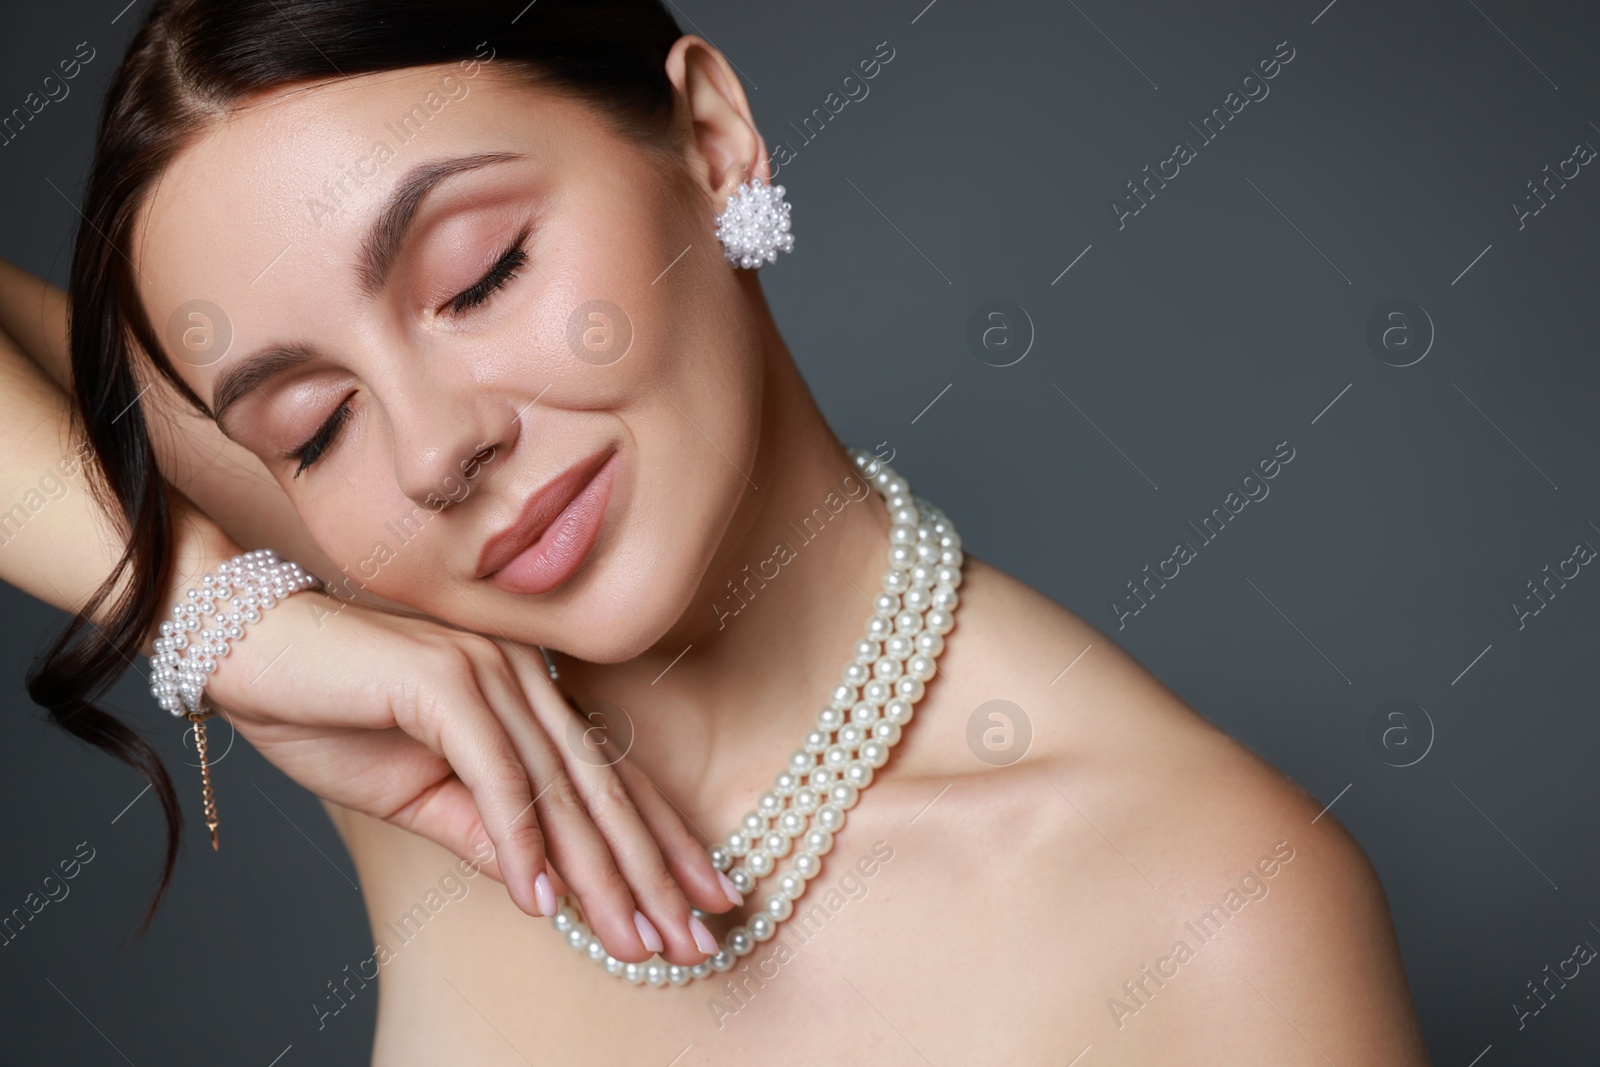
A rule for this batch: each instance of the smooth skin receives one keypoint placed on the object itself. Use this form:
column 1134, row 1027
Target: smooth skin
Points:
column 1006, row 906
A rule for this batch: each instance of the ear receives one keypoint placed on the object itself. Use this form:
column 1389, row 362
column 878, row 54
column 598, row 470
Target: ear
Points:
column 724, row 146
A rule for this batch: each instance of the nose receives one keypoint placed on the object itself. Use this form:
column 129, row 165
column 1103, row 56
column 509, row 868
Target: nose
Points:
column 444, row 433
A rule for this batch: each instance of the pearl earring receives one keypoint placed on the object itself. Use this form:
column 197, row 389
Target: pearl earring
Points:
column 754, row 227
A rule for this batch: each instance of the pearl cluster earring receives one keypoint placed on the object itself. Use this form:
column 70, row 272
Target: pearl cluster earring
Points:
column 754, row 227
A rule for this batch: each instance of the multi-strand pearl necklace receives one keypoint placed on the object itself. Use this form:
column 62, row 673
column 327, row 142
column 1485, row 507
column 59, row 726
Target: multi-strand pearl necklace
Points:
column 864, row 719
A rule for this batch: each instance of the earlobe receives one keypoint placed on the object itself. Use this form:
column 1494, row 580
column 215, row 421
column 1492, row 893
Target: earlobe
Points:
column 723, row 145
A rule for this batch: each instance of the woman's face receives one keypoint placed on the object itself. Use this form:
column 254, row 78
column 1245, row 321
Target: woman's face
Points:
column 463, row 311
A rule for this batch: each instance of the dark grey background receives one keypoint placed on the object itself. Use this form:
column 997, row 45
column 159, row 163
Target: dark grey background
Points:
column 1226, row 317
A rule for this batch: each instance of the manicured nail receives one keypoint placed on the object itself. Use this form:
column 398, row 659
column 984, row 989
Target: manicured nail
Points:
column 647, row 932
column 702, row 936
column 734, row 896
column 544, row 894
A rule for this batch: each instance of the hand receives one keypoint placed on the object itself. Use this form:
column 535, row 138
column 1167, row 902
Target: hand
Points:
column 459, row 738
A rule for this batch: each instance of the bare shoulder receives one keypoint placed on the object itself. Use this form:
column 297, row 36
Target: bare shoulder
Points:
column 1201, row 894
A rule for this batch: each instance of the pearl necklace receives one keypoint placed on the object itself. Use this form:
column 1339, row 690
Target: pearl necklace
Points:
column 863, row 720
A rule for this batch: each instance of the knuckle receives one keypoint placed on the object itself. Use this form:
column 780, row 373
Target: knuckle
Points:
column 561, row 794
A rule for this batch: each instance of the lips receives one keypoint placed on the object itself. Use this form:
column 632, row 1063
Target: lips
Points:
column 554, row 531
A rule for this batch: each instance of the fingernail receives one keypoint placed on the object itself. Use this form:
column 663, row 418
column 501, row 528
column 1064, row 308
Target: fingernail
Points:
column 702, row 936
column 647, row 932
column 734, row 896
column 544, row 894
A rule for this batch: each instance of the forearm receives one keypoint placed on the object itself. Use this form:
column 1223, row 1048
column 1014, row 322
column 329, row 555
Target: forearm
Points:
column 217, row 477
column 34, row 313
column 55, row 542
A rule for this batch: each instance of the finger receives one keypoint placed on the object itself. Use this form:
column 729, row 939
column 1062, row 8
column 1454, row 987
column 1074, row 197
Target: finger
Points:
column 634, row 849
column 452, row 718
column 446, row 814
column 685, row 855
column 576, row 846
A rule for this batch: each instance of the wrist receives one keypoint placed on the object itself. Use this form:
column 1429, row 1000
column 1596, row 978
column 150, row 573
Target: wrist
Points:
column 210, row 616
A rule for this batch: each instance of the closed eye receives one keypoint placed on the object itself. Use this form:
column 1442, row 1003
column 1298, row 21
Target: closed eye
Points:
column 312, row 450
column 503, row 271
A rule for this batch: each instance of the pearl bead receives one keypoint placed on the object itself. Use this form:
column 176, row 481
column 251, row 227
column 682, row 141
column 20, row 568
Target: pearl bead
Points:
column 817, row 741
column 779, row 908
column 759, row 864
column 898, row 710
column 806, row 800
column 830, row 817
column 633, row 973
column 791, row 884
column 920, row 667
column 655, row 972
column 887, row 731
column 929, row 642
column 741, row 879
column 740, row 941
column 792, row 823
column 761, row 926
column 876, row 692
column 720, row 859
column 752, row 824
column 886, row 667
column 851, row 736
column 859, row 774
column 807, row 866
column 829, row 719
column 909, row 688
column 875, row 753
column 770, row 805
column 908, row 622
column 775, row 844
column 722, row 961
column 867, row 650
column 844, row 795
column 737, row 843
column 866, row 712
column 818, row 842
column 878, row 628
column 940, row 621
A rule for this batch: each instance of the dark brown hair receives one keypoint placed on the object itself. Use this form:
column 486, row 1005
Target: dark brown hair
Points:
column 188, row 64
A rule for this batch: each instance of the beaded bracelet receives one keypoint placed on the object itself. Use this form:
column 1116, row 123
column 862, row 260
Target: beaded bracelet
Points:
column 233, row 596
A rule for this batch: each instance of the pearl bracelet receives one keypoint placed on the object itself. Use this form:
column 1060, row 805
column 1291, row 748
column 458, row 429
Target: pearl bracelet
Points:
column 233, row 596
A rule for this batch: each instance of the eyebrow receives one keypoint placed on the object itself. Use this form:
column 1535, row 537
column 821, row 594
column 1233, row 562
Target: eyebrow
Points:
column 379, row 249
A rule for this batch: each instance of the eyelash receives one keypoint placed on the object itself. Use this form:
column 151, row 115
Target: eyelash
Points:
column 503, row 271
column 474, row 296
column 312, row 450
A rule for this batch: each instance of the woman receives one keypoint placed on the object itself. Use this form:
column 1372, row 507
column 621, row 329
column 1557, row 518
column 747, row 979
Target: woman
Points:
column 431, row 301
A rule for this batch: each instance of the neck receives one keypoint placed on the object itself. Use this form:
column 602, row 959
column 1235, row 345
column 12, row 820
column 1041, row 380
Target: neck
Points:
column 717, row 705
